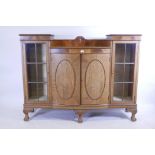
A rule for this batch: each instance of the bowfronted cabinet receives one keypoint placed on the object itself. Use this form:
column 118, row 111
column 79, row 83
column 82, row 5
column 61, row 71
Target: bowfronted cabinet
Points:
column 80, row 74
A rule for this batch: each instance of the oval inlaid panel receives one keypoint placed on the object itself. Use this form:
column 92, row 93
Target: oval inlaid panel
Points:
column 65, row 79
column 95, row 79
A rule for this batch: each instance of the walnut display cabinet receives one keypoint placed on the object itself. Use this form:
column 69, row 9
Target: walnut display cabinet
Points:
column 80, row 74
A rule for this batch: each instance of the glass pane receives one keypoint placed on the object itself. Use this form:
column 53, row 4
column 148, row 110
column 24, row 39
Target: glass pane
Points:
column 129, row 72
column 30, row 52
column 32, row 89
column 120, row 53
column 128, row 89
column 41, row 52
column 124, row 72
column 42, row 74
column 118, row 92
column 31, row 72
column 42, row 91
column 130, row 53
column 119, row 71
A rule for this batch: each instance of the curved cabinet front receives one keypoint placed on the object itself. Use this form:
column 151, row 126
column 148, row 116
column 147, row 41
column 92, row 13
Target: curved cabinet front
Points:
column 95, row 78
column 80, row 78
column 65, row 70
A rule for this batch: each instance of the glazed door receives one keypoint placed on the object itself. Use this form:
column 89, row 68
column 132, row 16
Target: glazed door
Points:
column 124, row 73
column 95, row 76
column 65, row 77
column 36, row 72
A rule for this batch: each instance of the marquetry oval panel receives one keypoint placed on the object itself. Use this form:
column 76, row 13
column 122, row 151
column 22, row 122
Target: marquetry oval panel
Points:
column 95, row 79
column 65, row 79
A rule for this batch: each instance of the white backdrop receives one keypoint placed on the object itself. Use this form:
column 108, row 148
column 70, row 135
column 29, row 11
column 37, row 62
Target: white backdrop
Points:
column 111, row 16
column 11, row 86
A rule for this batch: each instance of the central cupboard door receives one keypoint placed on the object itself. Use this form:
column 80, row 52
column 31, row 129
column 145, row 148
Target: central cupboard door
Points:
column 65, row 76
column 95, row 76
column 80, row 76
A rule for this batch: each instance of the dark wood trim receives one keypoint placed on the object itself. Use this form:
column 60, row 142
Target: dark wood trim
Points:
column 84, row 44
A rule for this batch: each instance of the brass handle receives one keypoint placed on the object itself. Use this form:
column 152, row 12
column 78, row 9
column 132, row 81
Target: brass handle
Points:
column 81, row 51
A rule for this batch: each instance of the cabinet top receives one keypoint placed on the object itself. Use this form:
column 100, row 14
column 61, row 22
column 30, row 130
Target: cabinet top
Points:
column 36, row 37
column 48, row 37
column 80, row 41
column 124, row 37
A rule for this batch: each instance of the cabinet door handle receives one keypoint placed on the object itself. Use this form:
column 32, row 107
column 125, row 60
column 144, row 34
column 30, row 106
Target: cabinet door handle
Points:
column 81, row 51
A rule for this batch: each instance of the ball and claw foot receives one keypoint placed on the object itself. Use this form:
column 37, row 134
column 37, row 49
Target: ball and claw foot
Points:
column 26, row 118
column 80, row 119
column 80, row 116
column 133, row 118
column 133, row 113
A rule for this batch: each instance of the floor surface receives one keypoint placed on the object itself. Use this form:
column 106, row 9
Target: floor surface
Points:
column 12, row 117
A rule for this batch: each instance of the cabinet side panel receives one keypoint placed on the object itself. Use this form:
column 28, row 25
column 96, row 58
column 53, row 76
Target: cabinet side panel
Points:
column 136, row 71
column 24, row 71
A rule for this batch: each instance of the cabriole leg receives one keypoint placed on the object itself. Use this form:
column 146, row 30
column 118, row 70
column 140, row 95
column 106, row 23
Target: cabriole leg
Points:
column 133, row 118
column 26, row 118
column 133, row 113
column 26, row 112
column 80, row 115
